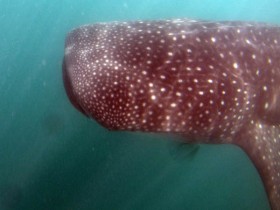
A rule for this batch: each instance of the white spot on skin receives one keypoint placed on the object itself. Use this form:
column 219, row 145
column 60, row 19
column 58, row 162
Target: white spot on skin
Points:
column 269, row 61
column 144, row 72
column 201, row 93
column 162, row 77
column 178, row 94
column 211, row 67
column 153, row 97
column 266, row 105
column 170, row 53
column 248, row 41
column 173, row 105
column 198, row 68
column 235, row 65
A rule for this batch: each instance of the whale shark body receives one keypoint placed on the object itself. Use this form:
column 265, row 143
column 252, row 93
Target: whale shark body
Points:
column 212, row 82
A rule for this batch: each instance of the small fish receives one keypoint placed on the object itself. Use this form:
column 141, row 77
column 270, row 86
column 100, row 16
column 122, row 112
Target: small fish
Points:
column 212, row 82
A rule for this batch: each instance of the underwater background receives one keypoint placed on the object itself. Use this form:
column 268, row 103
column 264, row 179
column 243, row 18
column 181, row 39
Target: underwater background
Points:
column 52, row 157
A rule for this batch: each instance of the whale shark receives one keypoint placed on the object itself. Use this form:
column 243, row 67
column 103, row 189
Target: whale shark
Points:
column 213, row 82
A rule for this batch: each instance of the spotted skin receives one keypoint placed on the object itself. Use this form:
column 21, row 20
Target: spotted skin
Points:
column 213, row 82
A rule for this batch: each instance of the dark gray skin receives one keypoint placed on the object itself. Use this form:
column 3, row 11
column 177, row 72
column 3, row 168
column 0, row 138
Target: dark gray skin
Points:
column 213, row 82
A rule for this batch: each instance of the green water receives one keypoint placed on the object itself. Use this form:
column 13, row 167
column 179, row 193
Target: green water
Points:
column 52, row 157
